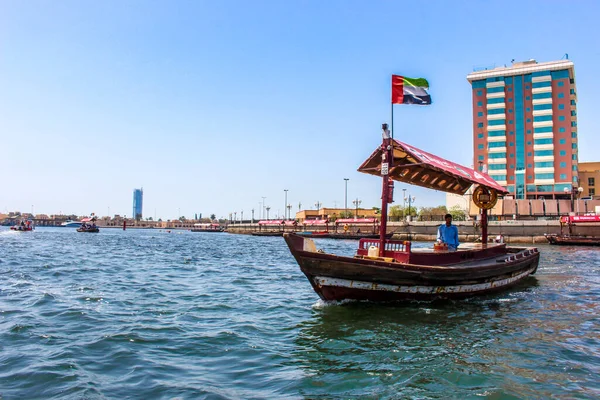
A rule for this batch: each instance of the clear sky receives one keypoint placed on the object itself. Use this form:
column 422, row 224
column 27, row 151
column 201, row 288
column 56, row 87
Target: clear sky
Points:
column 211, row 105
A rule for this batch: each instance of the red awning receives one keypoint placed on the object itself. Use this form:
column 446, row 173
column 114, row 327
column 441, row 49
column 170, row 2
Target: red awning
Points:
column 86, row 219
column 580, row 218
column 356, row 221
column 316, row 222
column 290, row 223
column 417, row 167
column 271, row 222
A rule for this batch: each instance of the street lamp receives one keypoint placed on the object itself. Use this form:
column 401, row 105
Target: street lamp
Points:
column 575, row 192
column 253, row 215
column 289, row 208
column 404, row 204
column 285, row 204
column 268, row 208
column 346, row 198
column 242, row 216
column 356, row 203
column 262, row 209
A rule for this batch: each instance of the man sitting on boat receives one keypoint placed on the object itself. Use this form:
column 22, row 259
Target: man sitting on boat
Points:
column 448, row 233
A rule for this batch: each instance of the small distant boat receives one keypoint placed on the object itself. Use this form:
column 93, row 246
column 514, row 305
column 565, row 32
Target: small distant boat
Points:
column 71, row 224
column 88, row 225
column 207, row 228
column 568, row 239
column 24, row 226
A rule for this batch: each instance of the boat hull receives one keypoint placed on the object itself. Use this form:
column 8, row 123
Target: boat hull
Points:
column 20, row 229
column 573, row 240
column 336, row 278
column 90, row 230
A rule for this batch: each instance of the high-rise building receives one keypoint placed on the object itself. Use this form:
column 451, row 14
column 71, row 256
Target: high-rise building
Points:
column 138, row 198
column 525, row 127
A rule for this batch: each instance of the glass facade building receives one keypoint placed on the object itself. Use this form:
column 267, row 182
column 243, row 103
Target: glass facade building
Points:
column 525, row 127
column 138, row 198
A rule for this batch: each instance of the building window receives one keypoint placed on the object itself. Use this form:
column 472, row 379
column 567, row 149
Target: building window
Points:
column 480, row 114
column 572, row 102
column 529, row 177
column 510, row 100
column 573, row 145
column 527, row 97
column 563, row 176
column 574, row 167
column 529, row 131
column 527, row 88
column 574, row 135
column 561, row 96
column 479, row 93
column 562, row 141
column 479, row 103
column 529, row 143
column 512, row 156
column 510, row 110
column 573, row 123
column 572, row 91
column 573, row 113
column 529, row 155
column 591, row 192
column 563, row 165
column 480, row 158
column 510, row 122
column 561, row 106
column 591, row 181
column 480, row 136
column 561, row 117
column 480, row 146
column 480, row 124
column 562, row 153
column 529, row 166
column 560, row 83
column 528, row 109
column 511, row 133
column 561, row 130
column 528, row 119
column 511, row 144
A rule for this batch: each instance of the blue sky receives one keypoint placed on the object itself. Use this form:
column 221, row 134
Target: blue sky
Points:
column 211, row 105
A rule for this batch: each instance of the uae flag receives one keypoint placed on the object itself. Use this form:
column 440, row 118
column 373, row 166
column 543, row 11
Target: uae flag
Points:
column 410, row 90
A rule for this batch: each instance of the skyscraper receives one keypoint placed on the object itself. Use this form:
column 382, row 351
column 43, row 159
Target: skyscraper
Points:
column 525, row 127
column 138, row 198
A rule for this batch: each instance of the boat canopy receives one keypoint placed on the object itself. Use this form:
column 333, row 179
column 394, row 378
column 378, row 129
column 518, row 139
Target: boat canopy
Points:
column 355, row 221
column 312, row 222
column 579, row 219
column 417, row 167
column 270, row 222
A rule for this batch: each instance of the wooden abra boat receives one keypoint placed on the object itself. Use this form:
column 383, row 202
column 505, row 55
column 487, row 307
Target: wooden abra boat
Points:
column 568, row 239
column 384, row 270
column 89, row 225
column 208, row 227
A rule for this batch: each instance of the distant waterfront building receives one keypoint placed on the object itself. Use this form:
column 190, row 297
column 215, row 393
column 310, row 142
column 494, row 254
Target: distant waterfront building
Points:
column 138, row 198
column 589, row 174
column 525, row 127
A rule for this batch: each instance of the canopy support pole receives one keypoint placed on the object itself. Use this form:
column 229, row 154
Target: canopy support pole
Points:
column 484, row 226
column 386, row 164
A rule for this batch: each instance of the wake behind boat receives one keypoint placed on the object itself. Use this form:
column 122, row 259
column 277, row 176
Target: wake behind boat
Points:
column 71, row 224
column 384, row 270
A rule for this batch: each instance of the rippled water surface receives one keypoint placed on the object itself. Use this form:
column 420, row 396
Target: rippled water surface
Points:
column 149, row 314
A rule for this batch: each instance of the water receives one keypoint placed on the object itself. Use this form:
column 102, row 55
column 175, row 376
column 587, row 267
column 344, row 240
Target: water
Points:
column 147, row 314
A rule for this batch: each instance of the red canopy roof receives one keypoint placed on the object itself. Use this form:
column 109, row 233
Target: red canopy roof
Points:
column 271, row 222
column 356, row 221
column 417, row 167
column 316, row 222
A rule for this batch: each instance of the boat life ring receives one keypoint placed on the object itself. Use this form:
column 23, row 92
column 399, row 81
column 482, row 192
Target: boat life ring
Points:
column 346, row 228
column 485, row 198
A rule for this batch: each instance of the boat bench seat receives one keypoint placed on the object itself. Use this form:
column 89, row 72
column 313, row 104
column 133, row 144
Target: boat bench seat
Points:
column 386, row 259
